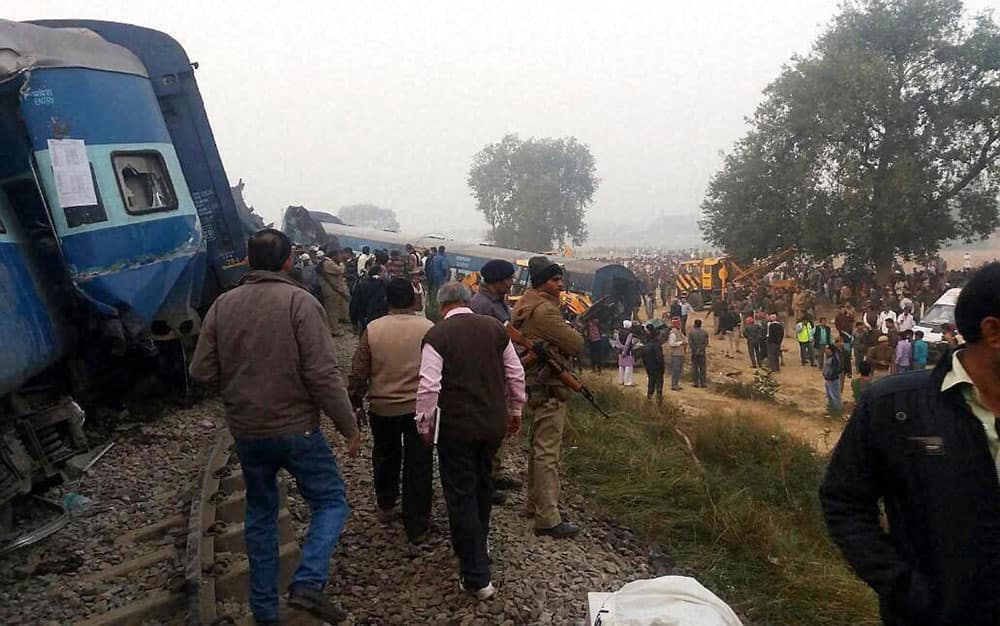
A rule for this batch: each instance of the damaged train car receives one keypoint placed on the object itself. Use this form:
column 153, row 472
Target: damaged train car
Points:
column 117, row 227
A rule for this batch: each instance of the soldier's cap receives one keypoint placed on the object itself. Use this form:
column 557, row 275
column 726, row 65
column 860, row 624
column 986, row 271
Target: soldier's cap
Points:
column 496, row 270
column 884, row 339
column 542, row 269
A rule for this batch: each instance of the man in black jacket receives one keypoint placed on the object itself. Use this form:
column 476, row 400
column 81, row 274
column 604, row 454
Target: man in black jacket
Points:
column 369, row 303
column 775, row 333
column 652, row 360
column 925, row 444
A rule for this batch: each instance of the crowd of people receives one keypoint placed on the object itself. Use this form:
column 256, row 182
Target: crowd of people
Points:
column 871, row 334
column 458, row 388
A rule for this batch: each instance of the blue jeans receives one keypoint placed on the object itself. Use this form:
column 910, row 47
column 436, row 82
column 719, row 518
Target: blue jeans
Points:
column 833, row 395
column 309, row 460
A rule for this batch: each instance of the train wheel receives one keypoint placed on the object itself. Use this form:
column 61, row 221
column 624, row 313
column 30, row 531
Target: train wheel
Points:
column 696, row 301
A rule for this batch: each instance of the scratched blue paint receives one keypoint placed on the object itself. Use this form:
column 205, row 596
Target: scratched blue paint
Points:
column 98, row 107
column 136, row 264
column 30, row 342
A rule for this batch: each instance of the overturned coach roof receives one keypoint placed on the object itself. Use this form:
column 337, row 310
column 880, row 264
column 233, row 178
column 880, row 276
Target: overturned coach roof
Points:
column 27, row 46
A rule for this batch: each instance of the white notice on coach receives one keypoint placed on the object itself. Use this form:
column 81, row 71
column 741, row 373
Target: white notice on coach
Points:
column 71, row 170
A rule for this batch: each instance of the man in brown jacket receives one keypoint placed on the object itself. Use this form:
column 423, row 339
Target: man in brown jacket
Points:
column 538, row 317
column 268, row 346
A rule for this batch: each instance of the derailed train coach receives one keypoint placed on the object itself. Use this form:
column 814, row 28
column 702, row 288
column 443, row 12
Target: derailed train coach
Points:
column 610, row 285
column 116, row 225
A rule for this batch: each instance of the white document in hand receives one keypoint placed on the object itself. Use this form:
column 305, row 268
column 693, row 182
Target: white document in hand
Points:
column 437, row 423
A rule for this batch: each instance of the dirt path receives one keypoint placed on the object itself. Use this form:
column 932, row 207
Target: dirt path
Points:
column 801, row 407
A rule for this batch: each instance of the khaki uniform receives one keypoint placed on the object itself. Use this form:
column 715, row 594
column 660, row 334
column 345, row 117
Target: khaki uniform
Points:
column 798, row 304
column 538, row 317
column 333, row 281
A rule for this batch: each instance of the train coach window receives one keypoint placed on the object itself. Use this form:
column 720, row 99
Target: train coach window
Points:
column 144, row 182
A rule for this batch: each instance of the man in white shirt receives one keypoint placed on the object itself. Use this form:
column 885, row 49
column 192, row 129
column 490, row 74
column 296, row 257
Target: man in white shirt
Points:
column 363, row 259
column 905, row 320
column 885, row 314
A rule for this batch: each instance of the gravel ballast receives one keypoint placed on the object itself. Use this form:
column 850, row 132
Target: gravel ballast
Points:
column 376, row 575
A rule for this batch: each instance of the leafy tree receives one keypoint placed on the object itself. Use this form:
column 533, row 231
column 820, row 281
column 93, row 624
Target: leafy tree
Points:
column 369, row 216
column 534, row 192
column 884, row 141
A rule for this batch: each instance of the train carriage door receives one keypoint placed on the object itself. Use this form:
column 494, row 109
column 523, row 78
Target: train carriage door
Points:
column 707, row 268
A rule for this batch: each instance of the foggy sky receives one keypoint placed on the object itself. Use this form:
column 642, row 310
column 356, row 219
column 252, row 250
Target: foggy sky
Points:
column 332, row 103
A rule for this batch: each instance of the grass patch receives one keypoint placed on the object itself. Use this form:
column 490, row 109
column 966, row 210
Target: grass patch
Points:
column 746, row 523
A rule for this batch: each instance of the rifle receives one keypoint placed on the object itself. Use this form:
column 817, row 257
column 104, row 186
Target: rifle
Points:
column 538, row 352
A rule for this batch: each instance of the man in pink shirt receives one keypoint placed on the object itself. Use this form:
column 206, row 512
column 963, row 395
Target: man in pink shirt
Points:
column 469, row 398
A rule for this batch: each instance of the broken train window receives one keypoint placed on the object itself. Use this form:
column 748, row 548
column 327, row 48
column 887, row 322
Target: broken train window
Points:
column 144, row 182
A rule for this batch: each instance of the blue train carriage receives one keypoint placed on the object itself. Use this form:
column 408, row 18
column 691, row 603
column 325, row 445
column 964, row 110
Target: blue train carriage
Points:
column 599, row 281
column 105, row 226
column 35, row 437
column 108, row 180
column 171, row 76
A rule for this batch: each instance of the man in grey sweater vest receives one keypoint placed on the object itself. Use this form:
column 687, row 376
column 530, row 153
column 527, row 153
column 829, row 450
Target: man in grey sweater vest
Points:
column 470, row 396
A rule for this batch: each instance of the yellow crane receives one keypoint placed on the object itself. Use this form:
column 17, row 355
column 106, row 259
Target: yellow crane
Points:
column 703, row 280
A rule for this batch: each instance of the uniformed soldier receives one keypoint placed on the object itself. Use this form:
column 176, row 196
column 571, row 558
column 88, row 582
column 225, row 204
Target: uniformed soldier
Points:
column 333, row 281
column 537, row 315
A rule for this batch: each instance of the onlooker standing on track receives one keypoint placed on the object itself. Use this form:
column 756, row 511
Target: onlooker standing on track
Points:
column 652, row 360
column 924, row 449
column 698, row 340
column 803, row 334
column 675, row 309
column 686, row 310
column 350, row 272
column 386, row 370
column 831, row 377
column 919, row 351
column 863, row 339
column 775, row 335
column 595, row 344
column 336, row 295
column 625, row 342
column 677, row 346
column 729, row 326
column 470, row 376
column 368, row 303
column 363, row 258
column 498, row 278
column 904, row 353
column 537, row 315
column 752, row 333
column 881, row 357
column 268, row 345
column 441, row 266
column 821, row 338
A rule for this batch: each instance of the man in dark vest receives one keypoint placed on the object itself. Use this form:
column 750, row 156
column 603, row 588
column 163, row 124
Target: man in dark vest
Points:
column 470, row 397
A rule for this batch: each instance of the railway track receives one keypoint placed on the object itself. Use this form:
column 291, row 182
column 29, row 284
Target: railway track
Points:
column 209, row 554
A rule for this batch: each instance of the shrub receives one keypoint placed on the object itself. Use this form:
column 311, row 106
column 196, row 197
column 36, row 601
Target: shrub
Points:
column 764, row 386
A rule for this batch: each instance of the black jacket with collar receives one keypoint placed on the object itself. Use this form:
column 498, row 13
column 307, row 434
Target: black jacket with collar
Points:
column 926, row 456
